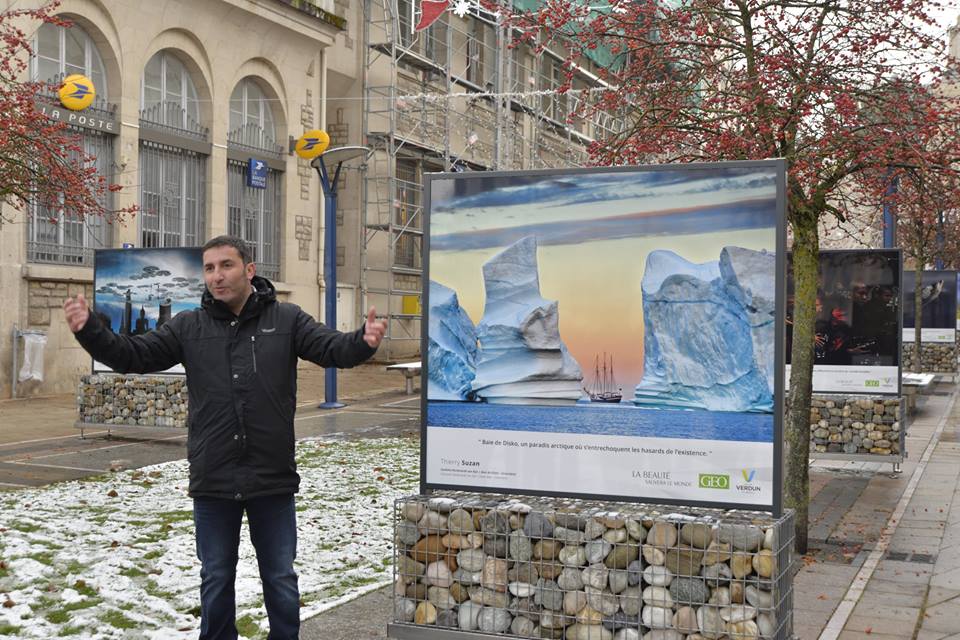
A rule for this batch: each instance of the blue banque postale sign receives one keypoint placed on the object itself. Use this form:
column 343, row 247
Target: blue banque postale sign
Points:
column 256, row 173
column 97, row 120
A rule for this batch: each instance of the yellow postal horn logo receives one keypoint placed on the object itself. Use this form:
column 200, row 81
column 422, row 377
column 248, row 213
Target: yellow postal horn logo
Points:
column 312, row 143
column 77, row 92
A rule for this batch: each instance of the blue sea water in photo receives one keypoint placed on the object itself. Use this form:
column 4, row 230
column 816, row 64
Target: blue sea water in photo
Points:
column 612, row 419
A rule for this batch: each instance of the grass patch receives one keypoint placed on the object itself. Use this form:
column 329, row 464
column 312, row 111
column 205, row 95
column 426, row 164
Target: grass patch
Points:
column 133, row 572
column 73, row 568
column 57, row 617
column 25, row 527
column 169, row 517
column 351, row 583
column 43, row 557
column 66, row 607
column 151, row 538
column 247, row 626
column 151, row 588
column 7, row 629
column 72, row 630
column 153, row 555
column 117, row 620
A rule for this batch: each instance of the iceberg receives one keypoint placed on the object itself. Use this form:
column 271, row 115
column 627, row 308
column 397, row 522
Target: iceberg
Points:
column 704, row 331
column 522, row 359
column 748, row 275
column 451, row 347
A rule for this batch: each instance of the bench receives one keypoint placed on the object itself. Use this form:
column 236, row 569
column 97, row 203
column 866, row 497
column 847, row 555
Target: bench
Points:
column 913, row 384
column 410, row 370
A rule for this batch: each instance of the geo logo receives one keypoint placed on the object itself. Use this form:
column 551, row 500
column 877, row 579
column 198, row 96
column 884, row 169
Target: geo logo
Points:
column 714, row 481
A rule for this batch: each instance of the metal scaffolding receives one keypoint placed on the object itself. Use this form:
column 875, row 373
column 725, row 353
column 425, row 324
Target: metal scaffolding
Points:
column 453, row 97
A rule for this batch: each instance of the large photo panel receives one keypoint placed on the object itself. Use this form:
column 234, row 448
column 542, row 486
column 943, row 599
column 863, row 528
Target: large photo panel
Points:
column 856, row 345
column 938, row 306
column 607, row 332
column 137, row 290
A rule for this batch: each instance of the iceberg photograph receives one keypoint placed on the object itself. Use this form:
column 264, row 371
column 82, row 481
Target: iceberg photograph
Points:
column 541, row 283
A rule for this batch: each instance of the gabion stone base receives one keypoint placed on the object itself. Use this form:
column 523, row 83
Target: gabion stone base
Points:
column 145, row 401
column 935, row 357
column 554, row 568
column 855, row 424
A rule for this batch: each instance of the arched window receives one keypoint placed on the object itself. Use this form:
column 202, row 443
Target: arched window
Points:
column 63, row 51
column 168, row 94
column 54, row 235
column 254, row 206
column 173, row 153
column 251, row 117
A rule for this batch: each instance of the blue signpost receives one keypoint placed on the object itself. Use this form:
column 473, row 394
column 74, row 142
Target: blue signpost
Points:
column 889, row 217
column 336, row 158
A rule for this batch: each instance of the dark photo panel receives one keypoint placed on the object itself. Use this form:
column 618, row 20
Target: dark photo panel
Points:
column 858, row 309
column 938, row 299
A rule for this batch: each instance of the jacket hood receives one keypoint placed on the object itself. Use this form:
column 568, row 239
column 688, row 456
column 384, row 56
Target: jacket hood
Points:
column 263, row 294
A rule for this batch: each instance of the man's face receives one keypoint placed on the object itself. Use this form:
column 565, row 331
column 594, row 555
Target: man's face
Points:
column 861, row 292
column 227, row 278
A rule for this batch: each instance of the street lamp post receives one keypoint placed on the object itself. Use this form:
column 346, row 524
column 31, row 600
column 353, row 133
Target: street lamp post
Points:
column 889, row 214
column 335, row 158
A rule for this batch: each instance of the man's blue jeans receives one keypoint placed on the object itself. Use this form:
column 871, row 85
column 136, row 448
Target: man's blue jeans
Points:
column 273, row 531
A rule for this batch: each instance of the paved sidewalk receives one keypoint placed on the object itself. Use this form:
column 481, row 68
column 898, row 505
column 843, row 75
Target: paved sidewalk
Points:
column 884, row 559
column 40, row 417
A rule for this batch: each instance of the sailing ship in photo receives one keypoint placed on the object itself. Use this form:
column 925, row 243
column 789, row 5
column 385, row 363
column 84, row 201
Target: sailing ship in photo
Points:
column 604, row 387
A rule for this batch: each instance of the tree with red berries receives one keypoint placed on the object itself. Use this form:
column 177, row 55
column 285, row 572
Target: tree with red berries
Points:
column 927, row 201
column 41, row 160
column 842, row 89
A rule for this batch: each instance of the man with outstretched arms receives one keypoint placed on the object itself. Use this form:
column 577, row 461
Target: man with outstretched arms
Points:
column 240, row 352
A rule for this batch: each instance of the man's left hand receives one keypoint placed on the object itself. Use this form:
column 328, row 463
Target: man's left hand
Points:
column 374, row 329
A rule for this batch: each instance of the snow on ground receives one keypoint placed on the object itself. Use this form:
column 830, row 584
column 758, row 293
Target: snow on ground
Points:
column 114, row 556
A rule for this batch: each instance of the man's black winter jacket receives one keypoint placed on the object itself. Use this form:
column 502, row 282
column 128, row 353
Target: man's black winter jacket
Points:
column 242, row 380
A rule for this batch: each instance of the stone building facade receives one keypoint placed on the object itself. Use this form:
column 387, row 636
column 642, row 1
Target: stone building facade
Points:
column 188, row 93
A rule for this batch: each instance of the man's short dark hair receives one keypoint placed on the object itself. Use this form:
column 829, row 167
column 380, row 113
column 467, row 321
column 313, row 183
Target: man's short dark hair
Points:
column 231, row 241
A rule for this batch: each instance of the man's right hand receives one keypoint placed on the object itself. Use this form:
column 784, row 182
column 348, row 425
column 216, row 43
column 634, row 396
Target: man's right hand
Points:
column 76, row 312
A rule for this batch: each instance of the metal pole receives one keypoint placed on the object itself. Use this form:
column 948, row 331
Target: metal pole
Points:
column 330, row 274
column 13, row 374
column 938, row 263
column 889, row 216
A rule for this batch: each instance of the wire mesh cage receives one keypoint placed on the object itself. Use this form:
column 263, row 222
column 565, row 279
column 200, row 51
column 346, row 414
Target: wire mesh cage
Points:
column 579, row 570
column 857, row 424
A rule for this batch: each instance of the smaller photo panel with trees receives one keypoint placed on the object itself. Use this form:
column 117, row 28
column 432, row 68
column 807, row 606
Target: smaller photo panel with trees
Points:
column 938, row 306
column 136, row 291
